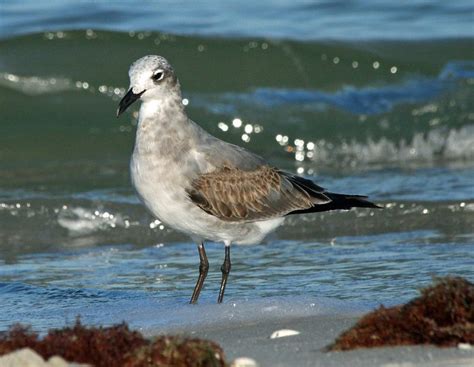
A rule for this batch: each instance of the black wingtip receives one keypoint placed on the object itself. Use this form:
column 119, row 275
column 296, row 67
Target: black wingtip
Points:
column 340, row 202
column 356, row 201
column 352, row 201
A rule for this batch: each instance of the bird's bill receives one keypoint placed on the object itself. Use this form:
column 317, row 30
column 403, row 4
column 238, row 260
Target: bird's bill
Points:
column 127, row 100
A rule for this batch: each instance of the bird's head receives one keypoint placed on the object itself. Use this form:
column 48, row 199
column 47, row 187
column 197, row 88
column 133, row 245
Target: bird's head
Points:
column 151, row 78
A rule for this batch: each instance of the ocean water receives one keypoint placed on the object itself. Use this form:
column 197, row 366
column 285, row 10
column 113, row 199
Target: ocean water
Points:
column 375, row 102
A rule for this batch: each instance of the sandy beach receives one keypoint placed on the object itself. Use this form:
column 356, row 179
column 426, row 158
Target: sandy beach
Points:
column 252, row 340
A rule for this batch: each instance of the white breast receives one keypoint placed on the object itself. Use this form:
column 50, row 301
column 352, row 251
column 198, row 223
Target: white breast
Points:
column 160, row 190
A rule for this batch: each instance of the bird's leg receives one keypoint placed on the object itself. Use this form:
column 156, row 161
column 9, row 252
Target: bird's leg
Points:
column 203, row 268
column 225, row 269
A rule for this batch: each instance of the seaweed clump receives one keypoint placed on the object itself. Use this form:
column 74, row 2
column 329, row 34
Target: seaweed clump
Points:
column 114, row 346
column 443, row 315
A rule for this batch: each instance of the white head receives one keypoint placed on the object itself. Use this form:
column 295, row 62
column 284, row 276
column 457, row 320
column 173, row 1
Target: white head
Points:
column 151, row 78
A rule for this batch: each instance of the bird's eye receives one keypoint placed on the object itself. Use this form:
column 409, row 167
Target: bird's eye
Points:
column 158, row 75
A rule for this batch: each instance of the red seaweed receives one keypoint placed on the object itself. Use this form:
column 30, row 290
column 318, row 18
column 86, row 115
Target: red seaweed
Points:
column 114, row 346
column 443, row 315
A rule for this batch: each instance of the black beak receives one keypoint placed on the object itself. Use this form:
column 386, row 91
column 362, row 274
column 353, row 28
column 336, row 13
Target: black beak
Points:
column 127, row 100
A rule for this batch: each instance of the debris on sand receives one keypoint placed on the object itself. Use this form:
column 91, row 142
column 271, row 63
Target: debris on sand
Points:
column 113, row 346
column 443, row 315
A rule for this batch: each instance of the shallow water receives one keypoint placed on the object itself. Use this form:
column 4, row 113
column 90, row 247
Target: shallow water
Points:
column 392, row 119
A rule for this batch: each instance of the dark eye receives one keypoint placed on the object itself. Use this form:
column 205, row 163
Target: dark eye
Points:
column 158, row 75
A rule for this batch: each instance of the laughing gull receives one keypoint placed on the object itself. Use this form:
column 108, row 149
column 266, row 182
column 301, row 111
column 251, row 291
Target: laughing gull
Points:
column 203, row 186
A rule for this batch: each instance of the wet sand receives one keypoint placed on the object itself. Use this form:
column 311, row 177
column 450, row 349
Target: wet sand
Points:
column 252, row 339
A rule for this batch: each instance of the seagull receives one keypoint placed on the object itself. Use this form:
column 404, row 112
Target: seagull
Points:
column 202, row 186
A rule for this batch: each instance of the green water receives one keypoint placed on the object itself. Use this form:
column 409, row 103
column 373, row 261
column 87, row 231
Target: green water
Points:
column 49, row 116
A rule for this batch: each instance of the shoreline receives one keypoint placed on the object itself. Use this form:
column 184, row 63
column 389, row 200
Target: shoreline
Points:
column 252, row 339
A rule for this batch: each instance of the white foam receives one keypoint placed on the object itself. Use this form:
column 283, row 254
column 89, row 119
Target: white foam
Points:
column 436, row 144
column 34, row 85
column 80, row 221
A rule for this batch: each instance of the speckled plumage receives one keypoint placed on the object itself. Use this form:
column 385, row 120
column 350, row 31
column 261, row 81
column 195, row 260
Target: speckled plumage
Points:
column 171, row 151
column 236, row 195
column 203, row 186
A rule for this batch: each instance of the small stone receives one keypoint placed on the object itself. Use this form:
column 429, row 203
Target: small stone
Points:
column 244, row 362
column 283, row 333
column 57, row 361
column 25, row 357
column 464, row 346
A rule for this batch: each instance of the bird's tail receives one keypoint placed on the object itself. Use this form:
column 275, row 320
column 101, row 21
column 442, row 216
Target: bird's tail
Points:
column 340, row 202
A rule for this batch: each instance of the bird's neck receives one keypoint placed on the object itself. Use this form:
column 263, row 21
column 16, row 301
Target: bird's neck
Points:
column 162, row 108
column 162, row 112
column 164, row 128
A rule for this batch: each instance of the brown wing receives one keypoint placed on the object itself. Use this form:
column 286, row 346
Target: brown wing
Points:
column 235, row 195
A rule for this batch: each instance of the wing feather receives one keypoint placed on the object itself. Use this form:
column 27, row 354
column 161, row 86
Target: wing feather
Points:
column 236, row 195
